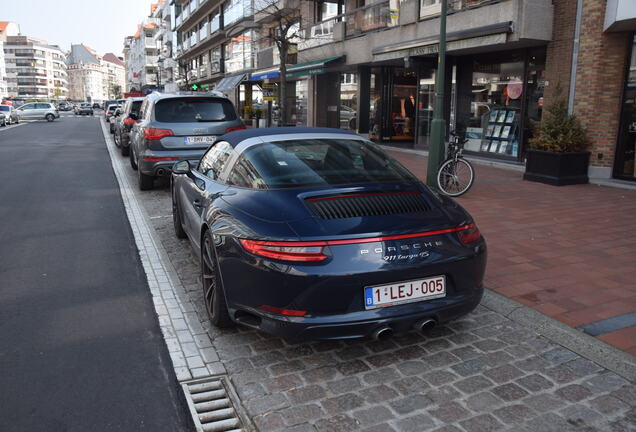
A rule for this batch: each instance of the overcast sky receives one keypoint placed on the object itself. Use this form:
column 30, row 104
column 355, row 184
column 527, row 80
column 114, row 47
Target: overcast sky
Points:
column 100, row 24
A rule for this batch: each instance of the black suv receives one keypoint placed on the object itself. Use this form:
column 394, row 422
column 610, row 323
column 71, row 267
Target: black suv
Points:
column 123, row 123
column 176, row 127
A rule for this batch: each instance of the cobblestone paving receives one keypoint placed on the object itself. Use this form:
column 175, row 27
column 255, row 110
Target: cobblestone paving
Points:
column 481, row 373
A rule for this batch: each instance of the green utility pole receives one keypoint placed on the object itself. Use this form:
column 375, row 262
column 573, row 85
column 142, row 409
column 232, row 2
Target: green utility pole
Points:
column 438, row 126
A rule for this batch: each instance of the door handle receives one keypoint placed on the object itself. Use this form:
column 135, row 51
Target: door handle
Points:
column 197, row 203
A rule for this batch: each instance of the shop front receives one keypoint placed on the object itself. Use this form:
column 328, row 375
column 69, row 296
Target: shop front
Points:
column 498, row 101
column 495, row 99
column 624, row 167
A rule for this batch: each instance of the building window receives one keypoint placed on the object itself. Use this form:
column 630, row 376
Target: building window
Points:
column 234, row 10
column 239, row 53
column 430, row 8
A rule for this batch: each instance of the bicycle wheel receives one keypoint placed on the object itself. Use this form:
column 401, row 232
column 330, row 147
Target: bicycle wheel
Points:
column 455, row 177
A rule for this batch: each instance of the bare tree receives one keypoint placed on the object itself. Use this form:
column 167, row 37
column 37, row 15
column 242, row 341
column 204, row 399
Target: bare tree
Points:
column 183, row 69
column 284, row 32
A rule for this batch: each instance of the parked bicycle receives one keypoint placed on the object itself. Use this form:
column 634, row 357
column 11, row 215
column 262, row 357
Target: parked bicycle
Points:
column 456, row 175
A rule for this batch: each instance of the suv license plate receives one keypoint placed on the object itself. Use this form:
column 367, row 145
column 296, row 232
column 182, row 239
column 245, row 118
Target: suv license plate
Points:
column 404, row 292
column 199, row 139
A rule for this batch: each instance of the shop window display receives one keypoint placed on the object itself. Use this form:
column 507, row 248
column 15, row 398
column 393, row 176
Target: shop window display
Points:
column 494, row 125
column 348, row 101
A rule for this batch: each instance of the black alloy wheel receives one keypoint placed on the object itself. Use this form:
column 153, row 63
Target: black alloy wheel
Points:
column 176, row 217
column 146, row 182
column 213, row 294
column 133, row 162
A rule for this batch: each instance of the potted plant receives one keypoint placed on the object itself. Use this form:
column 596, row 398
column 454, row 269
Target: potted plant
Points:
column 557, row 154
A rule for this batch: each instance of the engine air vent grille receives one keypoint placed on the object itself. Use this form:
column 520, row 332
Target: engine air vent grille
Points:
column 367, row 204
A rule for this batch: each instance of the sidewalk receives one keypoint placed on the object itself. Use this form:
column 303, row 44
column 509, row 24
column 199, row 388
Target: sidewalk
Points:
column 568, row 252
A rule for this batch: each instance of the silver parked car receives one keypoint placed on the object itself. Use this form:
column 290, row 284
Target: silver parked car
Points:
column 176, row 127
column 10, row 113
column 38, row 111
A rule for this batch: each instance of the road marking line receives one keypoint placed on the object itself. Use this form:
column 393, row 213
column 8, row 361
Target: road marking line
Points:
column 165, row 286
column 13, row 126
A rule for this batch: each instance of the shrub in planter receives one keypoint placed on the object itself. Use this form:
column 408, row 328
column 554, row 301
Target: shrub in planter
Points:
column 557, row 154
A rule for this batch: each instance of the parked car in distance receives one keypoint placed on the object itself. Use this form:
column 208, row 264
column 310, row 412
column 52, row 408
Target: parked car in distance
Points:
column 114, row 118
column 96, row 106
column 124, row 123
column 110, row 111
column 108, row 102
column 10, row 113
column 174, row 127
column 348, row 242
column 84, row 108
column 65, row 106
column 38, row 111
column 3, row 119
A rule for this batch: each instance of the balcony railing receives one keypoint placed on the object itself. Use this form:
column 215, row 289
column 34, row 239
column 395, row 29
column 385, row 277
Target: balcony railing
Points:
column 152, row 60
column 318, row 34
column 374, row 16
column 204, row 71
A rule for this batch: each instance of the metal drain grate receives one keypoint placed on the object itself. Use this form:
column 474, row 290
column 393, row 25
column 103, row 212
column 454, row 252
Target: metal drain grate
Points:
column 211, row 406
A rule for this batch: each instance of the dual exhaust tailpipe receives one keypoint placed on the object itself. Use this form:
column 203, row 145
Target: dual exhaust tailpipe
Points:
column 385, row 332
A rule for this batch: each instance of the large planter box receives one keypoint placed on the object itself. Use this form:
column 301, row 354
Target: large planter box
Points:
column 557, row 169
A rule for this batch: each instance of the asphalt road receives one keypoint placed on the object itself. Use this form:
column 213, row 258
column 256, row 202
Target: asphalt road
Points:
column 80, row 345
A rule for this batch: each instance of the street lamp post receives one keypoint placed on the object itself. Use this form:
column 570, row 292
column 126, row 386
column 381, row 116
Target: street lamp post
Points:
column 438, row 125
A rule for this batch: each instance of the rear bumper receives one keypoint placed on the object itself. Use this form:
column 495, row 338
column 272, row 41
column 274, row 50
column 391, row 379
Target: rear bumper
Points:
column 163, row 168
column 400, row 319
column 332, row 294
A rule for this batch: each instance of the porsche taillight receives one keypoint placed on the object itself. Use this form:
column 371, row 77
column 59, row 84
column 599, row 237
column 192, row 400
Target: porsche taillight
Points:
column 286, row 251
column 468, row 233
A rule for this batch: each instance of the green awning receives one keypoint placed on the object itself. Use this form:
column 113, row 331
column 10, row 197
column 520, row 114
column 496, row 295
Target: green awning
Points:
column 313, row 67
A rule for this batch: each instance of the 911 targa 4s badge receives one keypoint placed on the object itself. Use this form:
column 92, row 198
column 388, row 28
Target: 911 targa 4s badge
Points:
column 315, row 233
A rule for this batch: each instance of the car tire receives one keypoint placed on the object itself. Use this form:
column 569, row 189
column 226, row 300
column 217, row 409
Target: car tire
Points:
column 4, row 123
column 146, row 182
column 133, row 162
column 124, row 150
column 213, row 293
column 49, row 117
column 179, row 232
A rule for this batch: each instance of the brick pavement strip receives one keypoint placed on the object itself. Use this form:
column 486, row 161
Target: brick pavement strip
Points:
column 483, row 372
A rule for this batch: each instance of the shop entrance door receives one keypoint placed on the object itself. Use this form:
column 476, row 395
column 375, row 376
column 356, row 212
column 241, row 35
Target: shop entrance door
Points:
column 626, row 151
column 625, row 162
column 425, row 105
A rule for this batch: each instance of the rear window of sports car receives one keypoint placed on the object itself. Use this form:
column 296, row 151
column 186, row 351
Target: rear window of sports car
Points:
column 297, row 163
column 191, row 110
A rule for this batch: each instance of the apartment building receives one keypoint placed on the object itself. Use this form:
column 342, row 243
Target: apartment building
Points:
column 370, row 65
column 34, row 69
column 87, row 77
column 115, row 74
column 141, row 52
column 165, row 39
column 7, row 28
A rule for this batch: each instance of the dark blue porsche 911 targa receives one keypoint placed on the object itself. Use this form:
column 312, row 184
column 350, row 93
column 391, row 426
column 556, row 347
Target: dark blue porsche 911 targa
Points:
column 313, row 233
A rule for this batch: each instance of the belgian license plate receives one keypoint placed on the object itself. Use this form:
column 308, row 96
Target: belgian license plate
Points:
column 404, row 292
column 199, row 139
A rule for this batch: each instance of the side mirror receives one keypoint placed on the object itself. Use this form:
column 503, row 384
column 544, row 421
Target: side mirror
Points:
column 182, row 167
column 133, row 116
